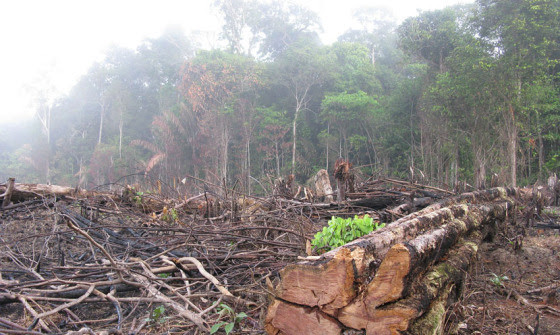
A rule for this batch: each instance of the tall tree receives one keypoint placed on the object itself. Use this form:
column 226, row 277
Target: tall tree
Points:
column 299, row 69
column 213, row 83
column 523, row 32
column 278, row 24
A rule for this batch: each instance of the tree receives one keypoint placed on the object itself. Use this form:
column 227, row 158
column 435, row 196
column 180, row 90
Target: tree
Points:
column 235, row 14
column 464, row 97
column 299, row 69
column 274, row 125
column 346, row 110
column 279, row 24
column 432, row 36
column 524, row 33
column 214, row 83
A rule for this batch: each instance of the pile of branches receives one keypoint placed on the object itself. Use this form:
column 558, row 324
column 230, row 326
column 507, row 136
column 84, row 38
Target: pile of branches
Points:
column 71, row 263
column 78, row 262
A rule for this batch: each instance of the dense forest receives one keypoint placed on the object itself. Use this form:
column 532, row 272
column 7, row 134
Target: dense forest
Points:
column 463, row 94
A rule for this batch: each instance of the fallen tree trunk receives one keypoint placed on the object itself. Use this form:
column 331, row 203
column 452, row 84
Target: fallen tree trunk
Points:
column 22, row 192
column 379, row 202
column 364, row 283
column 423, row 312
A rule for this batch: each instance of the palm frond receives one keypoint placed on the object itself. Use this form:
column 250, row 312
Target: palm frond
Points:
column 146, row 145
column 155, row 160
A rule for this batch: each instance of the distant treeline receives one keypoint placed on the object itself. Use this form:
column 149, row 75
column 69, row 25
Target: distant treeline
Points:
column 467, row 93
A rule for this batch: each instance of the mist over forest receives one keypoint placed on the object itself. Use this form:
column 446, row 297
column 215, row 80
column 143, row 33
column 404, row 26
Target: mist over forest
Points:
column 468, row 93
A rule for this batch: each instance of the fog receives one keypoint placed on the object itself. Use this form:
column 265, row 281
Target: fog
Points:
column 48, row 45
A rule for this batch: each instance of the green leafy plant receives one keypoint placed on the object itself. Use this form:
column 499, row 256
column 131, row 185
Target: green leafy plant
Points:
column 226, row 311
column 157, row 315
column 498, row 280
column 341, row 231
column 552, row 211
column 170, row 215
column 174, row 214
column 138, row 198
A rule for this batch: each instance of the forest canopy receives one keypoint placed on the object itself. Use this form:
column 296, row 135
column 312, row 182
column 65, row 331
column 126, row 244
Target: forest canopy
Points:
column 467, row 93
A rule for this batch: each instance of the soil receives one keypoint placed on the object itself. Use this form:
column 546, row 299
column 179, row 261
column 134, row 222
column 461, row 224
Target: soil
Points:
column 512, row 289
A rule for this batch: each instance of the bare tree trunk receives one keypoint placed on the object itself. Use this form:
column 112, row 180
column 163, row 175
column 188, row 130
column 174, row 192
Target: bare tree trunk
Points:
column 345, row 141
column 512, row 146
column 294, row 137
column 327, row 153
column 225, row 145
column 248, row 166
column 456, row 172
column 277, row 159
column 541, row 148
column 480, row 182
column 102, row 114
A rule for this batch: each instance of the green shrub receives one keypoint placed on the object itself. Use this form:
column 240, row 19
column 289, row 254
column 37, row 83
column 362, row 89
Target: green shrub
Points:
column 226, row 311
column 341, row 231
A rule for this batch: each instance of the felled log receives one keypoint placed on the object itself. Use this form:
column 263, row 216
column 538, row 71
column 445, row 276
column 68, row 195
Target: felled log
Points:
column 375, row 202
column 23, row 192
column 285, row 318
column 409, row 207
column 423, row 312
column 363, row 284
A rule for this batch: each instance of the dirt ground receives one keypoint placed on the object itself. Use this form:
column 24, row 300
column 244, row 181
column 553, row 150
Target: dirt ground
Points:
column 512, row 291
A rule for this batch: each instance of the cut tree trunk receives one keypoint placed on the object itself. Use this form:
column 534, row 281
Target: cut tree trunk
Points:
column 7, row 195
column 366, row 283
column 323, row 186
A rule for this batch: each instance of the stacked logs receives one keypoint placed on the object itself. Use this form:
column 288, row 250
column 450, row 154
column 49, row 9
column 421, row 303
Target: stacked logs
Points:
column 397, row 279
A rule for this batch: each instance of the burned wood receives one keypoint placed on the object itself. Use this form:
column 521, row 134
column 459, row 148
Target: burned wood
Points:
column 375, row 202
column 238, row 253
column 547, row 225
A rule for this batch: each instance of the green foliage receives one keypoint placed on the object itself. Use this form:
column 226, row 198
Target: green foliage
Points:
column 158, row 315
column 138, row 198
column 170, row 215
column 234, row 318
column 341, row 231
column 347, row 107
column 441, row 93
column 498, row 280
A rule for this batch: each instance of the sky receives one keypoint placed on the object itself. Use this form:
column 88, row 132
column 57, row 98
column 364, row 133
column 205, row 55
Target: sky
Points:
column 49, row 45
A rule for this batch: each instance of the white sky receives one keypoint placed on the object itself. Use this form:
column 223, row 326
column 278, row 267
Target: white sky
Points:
column 56, row 41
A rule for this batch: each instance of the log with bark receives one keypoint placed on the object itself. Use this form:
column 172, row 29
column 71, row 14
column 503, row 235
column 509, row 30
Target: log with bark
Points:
column 22, row 192
column 149, row 203
column 387, row 281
